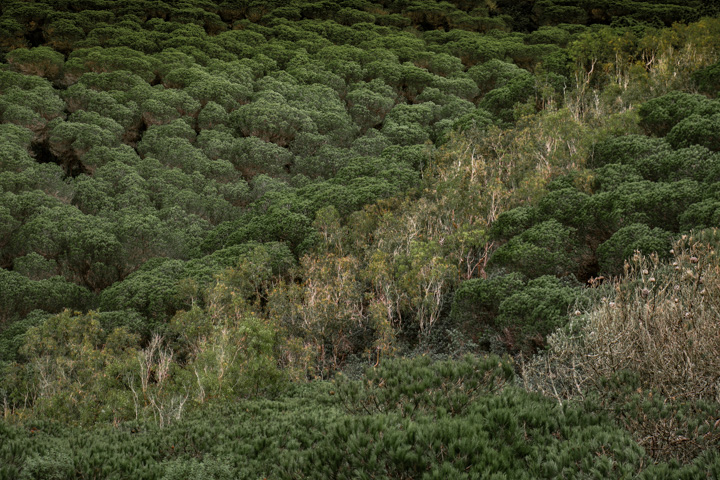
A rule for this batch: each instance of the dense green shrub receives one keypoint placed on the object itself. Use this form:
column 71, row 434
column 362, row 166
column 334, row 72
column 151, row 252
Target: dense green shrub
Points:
column 547, row 248
column 708, row 78
column 660, row 115
column 613, row 253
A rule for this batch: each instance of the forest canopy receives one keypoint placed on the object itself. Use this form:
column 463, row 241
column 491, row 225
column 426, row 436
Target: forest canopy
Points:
column 351, row 218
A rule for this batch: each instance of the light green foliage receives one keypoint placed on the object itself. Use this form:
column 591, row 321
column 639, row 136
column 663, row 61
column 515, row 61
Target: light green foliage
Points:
column 66, row 371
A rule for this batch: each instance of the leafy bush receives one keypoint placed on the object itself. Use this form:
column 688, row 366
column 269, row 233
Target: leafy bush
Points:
column 622, row 245
column 417, row 386
column 660, row 115
column 696, row 130
column 707, row 79
column 531, row 313
column 626, row 149
column 548, row 248
column 477, row 300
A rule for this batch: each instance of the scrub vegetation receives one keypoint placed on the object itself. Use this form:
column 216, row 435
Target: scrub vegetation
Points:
column 352, row 239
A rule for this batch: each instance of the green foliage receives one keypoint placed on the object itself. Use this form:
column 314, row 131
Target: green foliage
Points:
column 536, row 310
column 152, row 291
column 694, row 163
column 696, row 130
column 417, row 386
column 194, row 469
column 707, row 79
column 656, row 204
column 506, row 86
column 53, row 464
column 478, row 300
column 566, row 205
column 700, row 215
column 20, row 295
column 41, row 61
column 100, row 60
column 621, row 246
column 548, row 248
column 660, row 115
column 258, row 191
column 627, row 149
column 13, row 336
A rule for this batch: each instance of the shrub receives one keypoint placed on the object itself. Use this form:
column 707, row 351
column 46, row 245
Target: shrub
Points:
column 636, row 237
column 648, row 353
column 548, row 248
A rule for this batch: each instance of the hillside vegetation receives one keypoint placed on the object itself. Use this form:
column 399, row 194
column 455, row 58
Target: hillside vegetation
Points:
column 354, row 239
